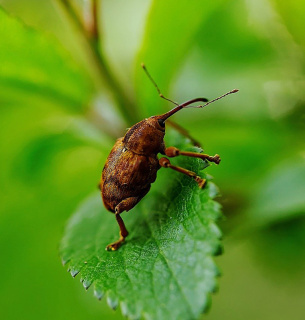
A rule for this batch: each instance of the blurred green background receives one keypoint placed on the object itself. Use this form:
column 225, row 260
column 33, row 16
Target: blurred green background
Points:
column 62, row 106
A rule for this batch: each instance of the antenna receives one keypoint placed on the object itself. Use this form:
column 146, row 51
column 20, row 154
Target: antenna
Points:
column 156, row 86
column 187, row 104
column 211, row 101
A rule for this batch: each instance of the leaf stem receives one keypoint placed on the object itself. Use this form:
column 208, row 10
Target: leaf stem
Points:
column 93, row 28
column 92, row 38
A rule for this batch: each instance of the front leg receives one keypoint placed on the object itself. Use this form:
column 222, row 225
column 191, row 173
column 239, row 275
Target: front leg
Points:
column 125, row 205
column 174, row 152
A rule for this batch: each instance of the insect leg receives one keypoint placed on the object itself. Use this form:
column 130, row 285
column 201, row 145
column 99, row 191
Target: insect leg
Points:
column 124, row 205
column 165, row 163
column 183, row 131
column 174, row 152
column 123, row 234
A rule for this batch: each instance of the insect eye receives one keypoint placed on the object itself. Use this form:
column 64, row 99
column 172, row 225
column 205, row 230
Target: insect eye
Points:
column 161, row 123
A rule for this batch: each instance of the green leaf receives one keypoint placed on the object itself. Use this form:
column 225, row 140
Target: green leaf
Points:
column 34, row 66
column 165, row 269
column 35, row 158
column 280, row 195
column 280, row 248
column 170, row 34
column 277, row 214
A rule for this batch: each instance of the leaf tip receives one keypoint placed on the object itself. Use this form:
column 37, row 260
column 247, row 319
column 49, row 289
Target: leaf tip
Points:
column 131, row 311
column 86, row 283
column 207, row 303
column 218, row 250
column 74, row 273
column 112, row 301
column 124, row 309
column 98, row 294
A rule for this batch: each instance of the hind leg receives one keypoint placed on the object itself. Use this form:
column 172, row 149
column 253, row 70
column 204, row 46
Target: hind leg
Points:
column 124, row 205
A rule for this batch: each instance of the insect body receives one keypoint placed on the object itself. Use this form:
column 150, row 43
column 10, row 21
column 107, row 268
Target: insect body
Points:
column 133, row 163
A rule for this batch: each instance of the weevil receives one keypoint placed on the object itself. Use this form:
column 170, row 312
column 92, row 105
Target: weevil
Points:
column 133, row 162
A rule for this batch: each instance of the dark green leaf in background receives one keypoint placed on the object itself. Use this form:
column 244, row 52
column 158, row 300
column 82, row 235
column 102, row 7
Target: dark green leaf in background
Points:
column 281, row 194
column 167, row 41
column 37, row 67
column 165, row 269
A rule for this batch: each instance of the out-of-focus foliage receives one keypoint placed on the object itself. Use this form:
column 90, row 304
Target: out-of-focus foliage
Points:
column 168, row 37
column 35, row 67
column 57, row 124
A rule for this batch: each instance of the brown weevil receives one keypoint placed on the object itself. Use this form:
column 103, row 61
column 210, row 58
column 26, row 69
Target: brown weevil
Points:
column 132, row 164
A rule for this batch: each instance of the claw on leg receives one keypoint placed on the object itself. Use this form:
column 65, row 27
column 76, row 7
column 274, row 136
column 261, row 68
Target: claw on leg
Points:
column 115, row 245
column 201, row 182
